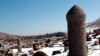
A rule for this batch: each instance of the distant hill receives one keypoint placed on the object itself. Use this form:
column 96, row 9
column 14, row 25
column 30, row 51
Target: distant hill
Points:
column 56, row 34
column 96, row 23
column 5, row 36
column 93, row 25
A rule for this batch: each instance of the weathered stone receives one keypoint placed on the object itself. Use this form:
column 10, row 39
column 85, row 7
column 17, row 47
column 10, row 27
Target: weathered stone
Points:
column 19, row 45
column 76, row 31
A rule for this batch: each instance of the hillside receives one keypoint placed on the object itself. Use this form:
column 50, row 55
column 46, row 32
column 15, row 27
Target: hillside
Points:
column 96, row 23
column 93, row 25
column 3, row 35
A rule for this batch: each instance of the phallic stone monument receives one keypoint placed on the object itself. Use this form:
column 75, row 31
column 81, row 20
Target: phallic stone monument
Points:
column 76, row 31
column 19, row 45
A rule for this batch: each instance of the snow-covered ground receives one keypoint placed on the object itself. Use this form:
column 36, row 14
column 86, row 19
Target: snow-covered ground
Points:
column 47, row 50
column 93, row 51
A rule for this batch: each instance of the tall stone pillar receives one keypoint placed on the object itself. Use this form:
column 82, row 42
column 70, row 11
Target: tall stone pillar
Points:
column 19, row 45
column 76, row 31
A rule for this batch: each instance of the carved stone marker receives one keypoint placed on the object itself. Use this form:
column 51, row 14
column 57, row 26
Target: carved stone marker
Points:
column 76, row 31
column 19, row 45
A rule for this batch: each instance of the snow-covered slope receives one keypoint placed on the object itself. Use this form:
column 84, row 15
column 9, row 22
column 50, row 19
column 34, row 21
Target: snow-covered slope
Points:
column 92, row 50
column 93, row 25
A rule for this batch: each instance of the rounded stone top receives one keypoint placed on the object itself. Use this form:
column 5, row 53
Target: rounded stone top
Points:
column 75, row 15
column 75, row 10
